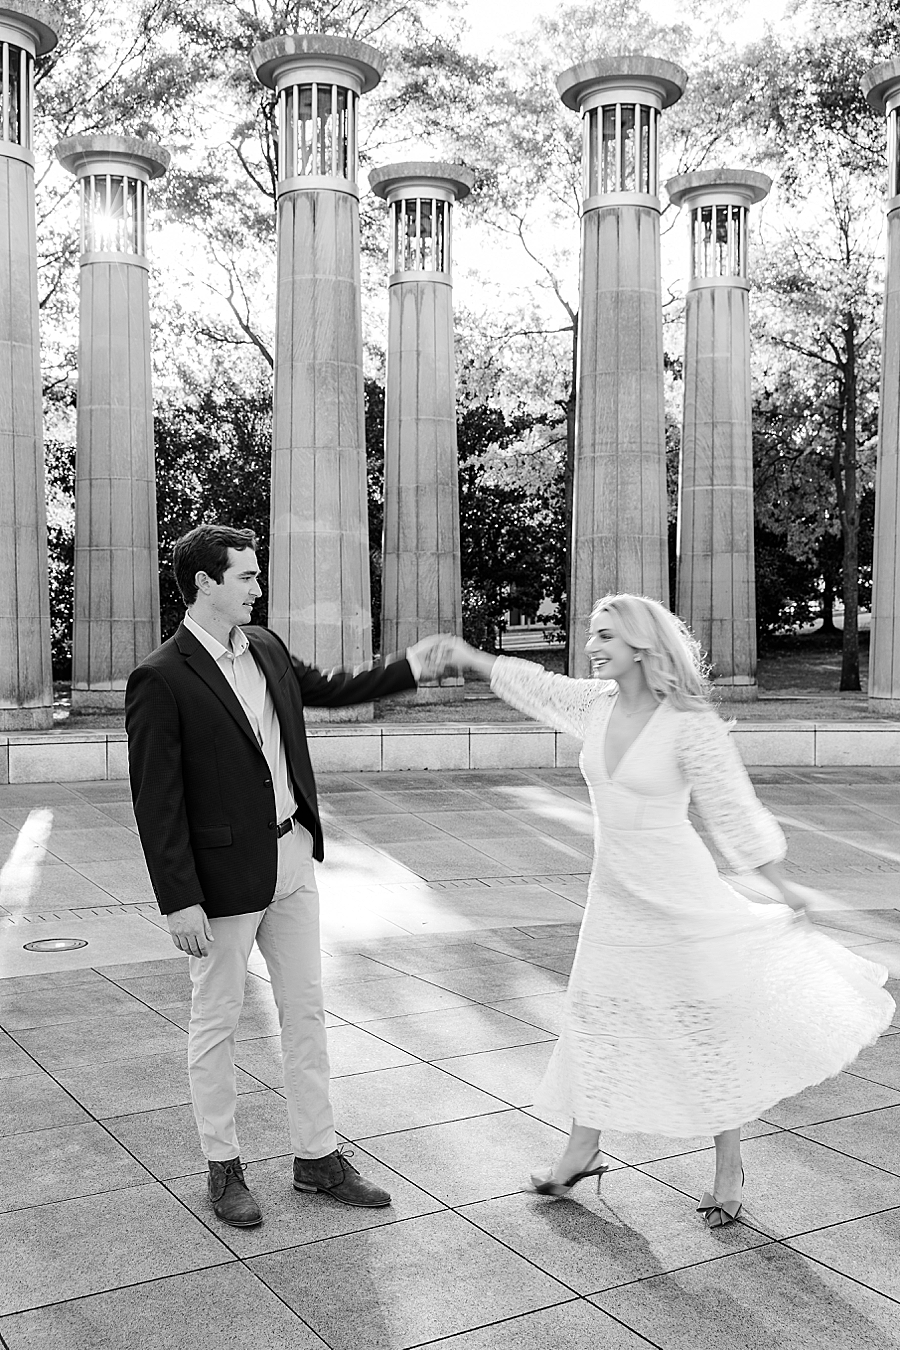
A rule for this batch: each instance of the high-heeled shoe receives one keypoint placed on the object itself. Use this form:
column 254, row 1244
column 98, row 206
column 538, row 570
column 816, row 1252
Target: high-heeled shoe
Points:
column 719, row 1213
column 549, row 1187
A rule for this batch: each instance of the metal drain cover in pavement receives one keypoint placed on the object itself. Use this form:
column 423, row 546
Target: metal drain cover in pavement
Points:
column 55, row 945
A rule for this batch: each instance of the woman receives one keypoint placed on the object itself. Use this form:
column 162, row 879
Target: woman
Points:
column 689, row 1008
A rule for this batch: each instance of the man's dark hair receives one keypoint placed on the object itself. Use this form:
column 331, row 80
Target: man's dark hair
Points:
column 205, row 549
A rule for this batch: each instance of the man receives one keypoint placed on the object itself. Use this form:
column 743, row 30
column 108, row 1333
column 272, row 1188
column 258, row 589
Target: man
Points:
column 225, row 802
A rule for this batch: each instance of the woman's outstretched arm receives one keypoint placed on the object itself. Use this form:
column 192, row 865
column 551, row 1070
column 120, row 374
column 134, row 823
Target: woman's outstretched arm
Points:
column 561, row 702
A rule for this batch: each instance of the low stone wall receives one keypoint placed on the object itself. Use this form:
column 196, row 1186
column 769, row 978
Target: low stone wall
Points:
column 72, row 756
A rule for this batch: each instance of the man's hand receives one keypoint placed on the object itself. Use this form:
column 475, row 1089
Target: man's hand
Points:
column 461, row 656
column 190, row 930
column 433, row 652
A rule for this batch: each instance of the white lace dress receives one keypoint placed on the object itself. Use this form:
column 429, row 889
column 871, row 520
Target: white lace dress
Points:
column 690, row 1009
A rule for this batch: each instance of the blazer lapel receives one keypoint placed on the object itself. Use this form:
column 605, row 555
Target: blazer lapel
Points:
column 200, row 661
column 263, row 658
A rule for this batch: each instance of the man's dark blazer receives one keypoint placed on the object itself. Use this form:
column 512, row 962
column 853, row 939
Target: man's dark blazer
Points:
column 202, row 790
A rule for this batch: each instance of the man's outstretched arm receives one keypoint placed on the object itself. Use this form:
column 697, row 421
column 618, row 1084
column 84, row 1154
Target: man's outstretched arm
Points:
column 396, row 674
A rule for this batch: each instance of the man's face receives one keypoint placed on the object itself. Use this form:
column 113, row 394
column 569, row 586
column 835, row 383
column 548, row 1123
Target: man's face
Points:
column 233, row 598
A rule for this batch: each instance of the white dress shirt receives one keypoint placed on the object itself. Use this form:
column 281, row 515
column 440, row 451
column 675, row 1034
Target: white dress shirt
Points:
column 237, row 664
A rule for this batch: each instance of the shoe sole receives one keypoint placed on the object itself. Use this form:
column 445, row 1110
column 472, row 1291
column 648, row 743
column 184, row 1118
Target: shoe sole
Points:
column 353, row 1204
column 240, row 1223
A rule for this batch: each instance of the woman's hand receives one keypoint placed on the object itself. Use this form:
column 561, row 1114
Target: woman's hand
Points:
column 464, row 657
column 790, row 894
column 443, row 651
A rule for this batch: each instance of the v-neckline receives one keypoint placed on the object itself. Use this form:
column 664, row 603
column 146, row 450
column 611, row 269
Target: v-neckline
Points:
column 628, row 749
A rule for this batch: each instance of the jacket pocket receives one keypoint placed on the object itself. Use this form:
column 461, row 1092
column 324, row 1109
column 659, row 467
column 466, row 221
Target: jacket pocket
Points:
column 214, row 836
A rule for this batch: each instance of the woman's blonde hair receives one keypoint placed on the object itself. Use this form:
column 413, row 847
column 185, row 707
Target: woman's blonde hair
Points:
column 674, row 667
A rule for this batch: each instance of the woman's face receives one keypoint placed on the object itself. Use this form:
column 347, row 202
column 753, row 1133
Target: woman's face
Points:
column 610, row 654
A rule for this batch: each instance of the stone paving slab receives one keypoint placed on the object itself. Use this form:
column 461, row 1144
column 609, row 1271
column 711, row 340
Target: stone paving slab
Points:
column 76, row 1247
column 62, row 1162
column 754, row 1300
column 446, row 989
column 165, row 1140
column 634, row 1228
column 783, row 1193
column 568, row 1326
column 865, row 1249
column 226, row 1307
column 400, row 1285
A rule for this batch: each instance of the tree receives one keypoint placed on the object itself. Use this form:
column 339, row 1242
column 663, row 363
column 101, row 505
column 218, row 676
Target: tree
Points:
column 819, row 284
column 797, row 510
column 512, row 522
column 60, row 469
column 374, row 396
column 212, row 464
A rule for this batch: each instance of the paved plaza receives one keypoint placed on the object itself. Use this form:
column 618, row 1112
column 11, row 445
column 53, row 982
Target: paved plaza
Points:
column 451, row 903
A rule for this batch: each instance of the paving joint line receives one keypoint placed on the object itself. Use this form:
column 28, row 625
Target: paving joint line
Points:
column 817, row 1260
column 118, row 1288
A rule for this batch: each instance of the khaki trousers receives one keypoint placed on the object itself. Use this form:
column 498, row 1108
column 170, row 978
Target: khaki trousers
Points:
column 287, row 934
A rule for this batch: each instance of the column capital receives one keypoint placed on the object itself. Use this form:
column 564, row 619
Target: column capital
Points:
column 113, row 173
column 718, row 204
column 709, row 187
column 881, row 85
column 39, row 24
column 419, row 195
column 101, row 154
column 293, row 58
column 613, row 79
column 422, row 178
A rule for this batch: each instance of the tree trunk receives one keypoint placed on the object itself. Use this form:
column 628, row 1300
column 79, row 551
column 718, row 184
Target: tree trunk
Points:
column 848, row 506
column 570, row 410
column 828, row 624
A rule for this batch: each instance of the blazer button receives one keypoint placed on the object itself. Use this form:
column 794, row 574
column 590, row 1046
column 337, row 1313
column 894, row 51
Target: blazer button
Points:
column 271, row 824
column 267, row 782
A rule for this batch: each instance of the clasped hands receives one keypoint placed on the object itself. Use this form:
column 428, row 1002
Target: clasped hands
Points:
column 442, row 652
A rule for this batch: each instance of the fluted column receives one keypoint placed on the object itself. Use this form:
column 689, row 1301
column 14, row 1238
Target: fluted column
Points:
column 319, row 594
column 27, row 29
column 881, row 87
column 116, row 562
column 716, row 586
column 421, row 590
column 619, row 530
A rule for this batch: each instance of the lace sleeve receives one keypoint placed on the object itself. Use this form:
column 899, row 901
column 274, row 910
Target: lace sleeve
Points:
column 746, row 834
column 562, row 702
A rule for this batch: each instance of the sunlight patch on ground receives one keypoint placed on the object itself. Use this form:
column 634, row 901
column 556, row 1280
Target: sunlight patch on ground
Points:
column 552, row 806
column 21, row 873
column 890, row 855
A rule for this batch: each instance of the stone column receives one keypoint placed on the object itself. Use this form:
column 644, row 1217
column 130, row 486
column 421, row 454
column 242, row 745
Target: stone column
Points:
column 716, row 578
column 619, row 530
column 28, row 29
column 319, row 596
column 116, row 562
column 421, row 591
column 881, row 87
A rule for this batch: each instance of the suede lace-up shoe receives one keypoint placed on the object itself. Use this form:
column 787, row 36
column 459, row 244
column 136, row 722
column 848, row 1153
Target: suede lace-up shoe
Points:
column 231, row 1200
column 336, row 1176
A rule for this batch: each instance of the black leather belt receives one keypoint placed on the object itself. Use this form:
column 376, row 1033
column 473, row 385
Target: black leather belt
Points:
column 285, row 826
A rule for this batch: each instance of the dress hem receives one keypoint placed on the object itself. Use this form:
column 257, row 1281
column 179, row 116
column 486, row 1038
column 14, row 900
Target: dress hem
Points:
column 626, row 1126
